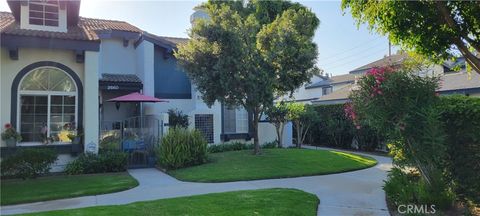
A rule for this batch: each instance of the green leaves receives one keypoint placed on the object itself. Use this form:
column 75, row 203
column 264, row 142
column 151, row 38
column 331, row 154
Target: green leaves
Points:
column 245, row 56
column 437, row 29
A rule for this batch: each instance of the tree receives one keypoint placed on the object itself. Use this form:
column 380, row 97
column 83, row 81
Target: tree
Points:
column 277, row 115
column 438, row 29
column 303, row 117
column 176, row 118
column 248, row 55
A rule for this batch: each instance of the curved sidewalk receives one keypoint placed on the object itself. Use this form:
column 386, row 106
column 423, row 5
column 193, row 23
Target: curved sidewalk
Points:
column 351, row 193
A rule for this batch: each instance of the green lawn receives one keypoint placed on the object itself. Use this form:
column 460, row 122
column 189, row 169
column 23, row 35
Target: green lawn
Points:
column 273, row 163
column 16, row 191
column 251, row 202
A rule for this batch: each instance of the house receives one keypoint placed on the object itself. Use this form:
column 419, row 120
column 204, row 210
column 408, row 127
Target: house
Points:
column 454, row 79
column 58, row 70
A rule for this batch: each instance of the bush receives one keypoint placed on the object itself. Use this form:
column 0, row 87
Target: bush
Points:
column 336, row 130
column 461, row 117
column 28, row 163
column 407, row 188
column 237, row 146
column 182, row 147
column 176, row 118
column 111, row 142
column 105, row 161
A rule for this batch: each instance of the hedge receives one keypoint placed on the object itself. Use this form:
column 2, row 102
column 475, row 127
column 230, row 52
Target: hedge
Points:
column 461, row 117
column 336, row 130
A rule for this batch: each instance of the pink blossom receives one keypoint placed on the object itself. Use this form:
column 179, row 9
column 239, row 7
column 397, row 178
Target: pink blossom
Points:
column 8, row 126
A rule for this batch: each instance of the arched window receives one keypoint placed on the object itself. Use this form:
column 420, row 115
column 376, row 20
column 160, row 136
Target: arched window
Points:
column 47, row 106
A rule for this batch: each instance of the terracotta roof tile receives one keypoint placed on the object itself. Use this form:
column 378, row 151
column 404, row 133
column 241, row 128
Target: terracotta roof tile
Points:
column 120, row 78
column 85, row 30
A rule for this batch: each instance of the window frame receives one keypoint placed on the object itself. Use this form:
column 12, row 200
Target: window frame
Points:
column 325, row 89
column 238, row 129
column 44, row 12
column 49, row 94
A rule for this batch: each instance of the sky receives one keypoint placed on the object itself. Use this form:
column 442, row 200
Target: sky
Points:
column 342, row 46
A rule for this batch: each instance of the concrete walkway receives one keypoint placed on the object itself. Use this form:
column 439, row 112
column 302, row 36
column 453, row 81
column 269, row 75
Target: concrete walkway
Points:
column 351, row 193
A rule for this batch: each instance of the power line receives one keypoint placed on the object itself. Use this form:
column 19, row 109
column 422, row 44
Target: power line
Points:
column 354, row 54
column 354, row 47
column 347, row 62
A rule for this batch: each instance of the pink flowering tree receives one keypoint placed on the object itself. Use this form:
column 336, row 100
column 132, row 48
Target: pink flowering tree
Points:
column 402, row 106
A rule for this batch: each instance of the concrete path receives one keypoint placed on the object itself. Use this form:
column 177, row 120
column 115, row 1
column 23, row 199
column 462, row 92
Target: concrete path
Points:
column 351, row 193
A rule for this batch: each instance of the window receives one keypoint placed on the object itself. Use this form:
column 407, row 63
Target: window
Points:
column 242, row 120
column 326, row 90
column 235, row 120
column 43, row 12
column 47, row 104
column 204, row 123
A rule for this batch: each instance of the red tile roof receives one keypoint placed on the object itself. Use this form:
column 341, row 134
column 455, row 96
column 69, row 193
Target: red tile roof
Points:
column 85, row 30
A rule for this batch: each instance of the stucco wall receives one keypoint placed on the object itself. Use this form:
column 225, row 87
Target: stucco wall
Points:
column 10, row 68
column 117, row 59
column 267, row 133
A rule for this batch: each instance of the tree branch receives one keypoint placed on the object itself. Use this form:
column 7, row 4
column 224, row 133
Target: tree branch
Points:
column 446, row 15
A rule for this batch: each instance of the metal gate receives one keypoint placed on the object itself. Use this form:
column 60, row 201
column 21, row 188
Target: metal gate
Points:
column 136, row 136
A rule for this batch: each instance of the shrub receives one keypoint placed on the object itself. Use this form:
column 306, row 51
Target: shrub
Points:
column 407, row 188
column 176, row 118
column 334, row 129
column 182, row 147
column 237, row 146
column 28, row 163
column 111, row 142
column 105, row 161
column 461, row 117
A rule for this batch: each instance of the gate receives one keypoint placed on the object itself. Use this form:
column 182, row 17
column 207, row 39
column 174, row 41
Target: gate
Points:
column 136, row 136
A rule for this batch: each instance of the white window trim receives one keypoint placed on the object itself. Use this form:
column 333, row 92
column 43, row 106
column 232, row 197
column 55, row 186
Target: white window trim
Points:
column 240, row 112
column 48, row 94
column 25, row 20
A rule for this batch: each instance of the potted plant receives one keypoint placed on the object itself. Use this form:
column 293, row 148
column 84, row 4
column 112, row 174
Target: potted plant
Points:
column 10, row 135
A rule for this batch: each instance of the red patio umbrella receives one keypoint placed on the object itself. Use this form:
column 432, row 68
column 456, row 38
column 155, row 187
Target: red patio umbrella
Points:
column 136, row 97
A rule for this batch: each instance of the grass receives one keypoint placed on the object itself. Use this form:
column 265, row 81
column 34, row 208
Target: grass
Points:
column 273, row 163
column 251, row 202
column 15, row 191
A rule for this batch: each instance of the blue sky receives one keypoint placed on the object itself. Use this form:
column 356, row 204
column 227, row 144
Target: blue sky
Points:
column 342, row 46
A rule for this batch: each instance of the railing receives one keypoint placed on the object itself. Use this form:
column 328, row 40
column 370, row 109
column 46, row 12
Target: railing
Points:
column 136, row 136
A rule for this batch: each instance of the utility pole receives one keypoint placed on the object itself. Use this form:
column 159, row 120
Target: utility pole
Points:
column 389, row 48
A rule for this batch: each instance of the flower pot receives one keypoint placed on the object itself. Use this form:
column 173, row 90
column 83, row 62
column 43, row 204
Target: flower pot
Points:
column 11, row 142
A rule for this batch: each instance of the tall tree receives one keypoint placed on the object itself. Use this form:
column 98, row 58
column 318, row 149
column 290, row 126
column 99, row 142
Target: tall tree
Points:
column 437, row 29
column 246, row 55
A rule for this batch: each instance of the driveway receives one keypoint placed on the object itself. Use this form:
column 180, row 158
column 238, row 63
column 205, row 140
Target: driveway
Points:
column 351, row 193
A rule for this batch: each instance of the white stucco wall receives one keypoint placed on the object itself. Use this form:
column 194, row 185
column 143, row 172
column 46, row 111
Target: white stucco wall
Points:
column 61, row 162
column 145, row 71
column 91, row 94
column 117, row 59
column 302, row 93
column 10, row 68
column 267, row 133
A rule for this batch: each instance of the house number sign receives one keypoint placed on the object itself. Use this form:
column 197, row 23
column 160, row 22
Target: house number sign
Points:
column 113, row 87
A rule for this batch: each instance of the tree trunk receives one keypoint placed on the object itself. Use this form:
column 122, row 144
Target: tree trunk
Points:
column 299, row 134
column 279, row 135
column 256, row 117
column 280, row 138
